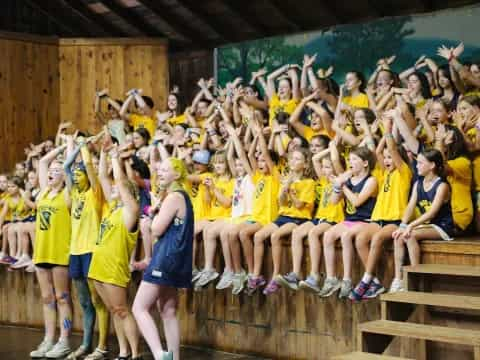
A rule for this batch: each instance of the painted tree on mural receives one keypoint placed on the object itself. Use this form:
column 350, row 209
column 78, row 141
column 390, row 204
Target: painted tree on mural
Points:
column 244, row 58
column 359, row 46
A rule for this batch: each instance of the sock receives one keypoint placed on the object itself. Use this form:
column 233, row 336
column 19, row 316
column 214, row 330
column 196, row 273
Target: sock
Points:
column 367, row 278
column 375, row 280
column 347, row 279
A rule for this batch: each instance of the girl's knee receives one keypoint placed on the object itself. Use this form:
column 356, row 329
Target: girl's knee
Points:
column 63, row 298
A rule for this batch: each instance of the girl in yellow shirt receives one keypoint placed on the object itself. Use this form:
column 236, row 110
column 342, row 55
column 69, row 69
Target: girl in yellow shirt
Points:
column 51, row 255
column 326, row 165
column 392, row 200
column 296, row 199
column 354, row 89
column 219, row 191
column 115, row 243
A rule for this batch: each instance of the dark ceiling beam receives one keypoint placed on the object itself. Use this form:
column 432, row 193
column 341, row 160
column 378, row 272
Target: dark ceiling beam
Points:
column 239, row 13
column 327, row 6
column 130, row 17
column 80, row 8
column 172, row 20
column 51, row 12
column 196, row 7
column 277, row 6
column 428, row 5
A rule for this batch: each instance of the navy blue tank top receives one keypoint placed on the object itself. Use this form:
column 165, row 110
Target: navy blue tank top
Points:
column 444, row 217
column 364, row 211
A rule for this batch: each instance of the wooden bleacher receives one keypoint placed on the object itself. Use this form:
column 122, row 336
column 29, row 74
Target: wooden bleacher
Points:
column 300, row 325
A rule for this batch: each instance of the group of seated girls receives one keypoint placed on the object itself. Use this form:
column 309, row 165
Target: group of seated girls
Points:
column 291, row 154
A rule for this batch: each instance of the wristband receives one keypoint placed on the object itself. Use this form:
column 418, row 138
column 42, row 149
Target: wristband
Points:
column 337, row 189
column 402, row 226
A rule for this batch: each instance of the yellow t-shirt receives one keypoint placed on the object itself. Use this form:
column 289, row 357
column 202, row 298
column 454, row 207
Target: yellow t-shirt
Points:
column 218, row 211
column 326, row 210
column 393, row 193
column 309, row 133
column 52, row 230
column 114, row 247
column 176, row 120
column 143, row 121
column 197, row 192
column 304, row 191
column 17, row 209
column 460, row 182
column 276, row 105
column 86, row 214
column 265, row 199
column 472, row 134
column 359, row 101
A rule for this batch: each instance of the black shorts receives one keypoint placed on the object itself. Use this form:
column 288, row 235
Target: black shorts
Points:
column 282, row 220
column 47, row 266
column 322, row 221
column 383, row 223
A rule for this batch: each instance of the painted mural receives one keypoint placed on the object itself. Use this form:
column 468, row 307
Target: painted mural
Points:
column 358, row 46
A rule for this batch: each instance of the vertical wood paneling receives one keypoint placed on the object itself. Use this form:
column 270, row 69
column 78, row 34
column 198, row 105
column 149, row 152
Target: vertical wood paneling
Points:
column 119, row 65
column 28, row 95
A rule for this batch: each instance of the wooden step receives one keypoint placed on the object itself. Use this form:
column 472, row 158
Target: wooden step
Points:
column 432, row 299
column 366, row 356
column 423, row 332
column 440, row 269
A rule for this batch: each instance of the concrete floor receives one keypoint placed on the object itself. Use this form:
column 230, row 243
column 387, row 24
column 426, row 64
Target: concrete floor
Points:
column 16, row 344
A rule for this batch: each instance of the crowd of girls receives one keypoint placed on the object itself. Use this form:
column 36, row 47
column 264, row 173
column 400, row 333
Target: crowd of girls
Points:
column 285, row 156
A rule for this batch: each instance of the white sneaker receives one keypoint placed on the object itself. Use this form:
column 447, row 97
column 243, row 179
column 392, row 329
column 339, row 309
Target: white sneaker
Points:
column 30, row 267
column 42, row 349
column 238, row 282
column 22, row 262
column 226, row 280
column 206, row 277
column 397, row 285
column 59, row 350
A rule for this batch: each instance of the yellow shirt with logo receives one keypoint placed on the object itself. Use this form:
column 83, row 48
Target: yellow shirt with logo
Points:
column 304, row 190
column 114, row 247
column 276, row 105
column 359, row 101
column 393, row 194
column 17, row 209
column 52, row 230
column 217, row 210
column 326, row 210
column 177, row 120
column 265, row 199
column 86, row 215
column 197, row 192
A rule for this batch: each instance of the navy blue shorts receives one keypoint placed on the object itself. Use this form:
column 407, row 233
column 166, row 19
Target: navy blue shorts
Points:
column 282, row 220
column 79, row 266
column 29, row 219
column 322, row 221
column 383, row 223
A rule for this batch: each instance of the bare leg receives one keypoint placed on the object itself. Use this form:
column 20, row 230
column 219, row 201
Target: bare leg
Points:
column 315, row 247
column 329, row 239
column 376, row 246
column 234, row 245
column 298, row 234
column 224, row 240
column 210, row 235
column 61, row 282
column 259, row 246
column 246, row 239
column 276, row 240
column 45, row 280
column 167, row 304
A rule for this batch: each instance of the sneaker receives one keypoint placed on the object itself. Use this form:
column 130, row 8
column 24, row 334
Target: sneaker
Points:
column 207, row 276
column 397, row 285
column 310, row 284
column 289, row 280
column 238, row 282
column 225, row 281
column 330, row 286
column 195, row 274
column 98, row 354
column 22, row 262
column 42, row 349
column 8, row 260
column 272, row 287
column 59, row 350
column 374, row 290
column 358, row 293
column 81, row 351
column 254, row 283
column 346, row 289
column 30, row 268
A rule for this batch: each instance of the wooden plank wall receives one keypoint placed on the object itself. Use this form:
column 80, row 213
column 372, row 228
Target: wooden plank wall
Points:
column 29, row 93
column 87, row 65
column 286, row 325
column 186, row 68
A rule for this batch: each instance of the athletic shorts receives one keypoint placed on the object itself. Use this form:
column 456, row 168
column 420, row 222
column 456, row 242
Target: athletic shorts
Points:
column 322, row 221
column 79, row 266
column 383, row 223
column 47, row 266
column 29, row 219
column 282, row 220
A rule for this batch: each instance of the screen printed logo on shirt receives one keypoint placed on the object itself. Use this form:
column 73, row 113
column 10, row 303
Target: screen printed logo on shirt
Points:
column 46, row 213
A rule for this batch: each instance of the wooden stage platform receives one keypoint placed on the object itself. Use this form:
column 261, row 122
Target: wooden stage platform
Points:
column 286, row 325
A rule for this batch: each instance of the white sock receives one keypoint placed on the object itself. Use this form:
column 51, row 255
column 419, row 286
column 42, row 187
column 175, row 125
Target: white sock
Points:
column 367, row 278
